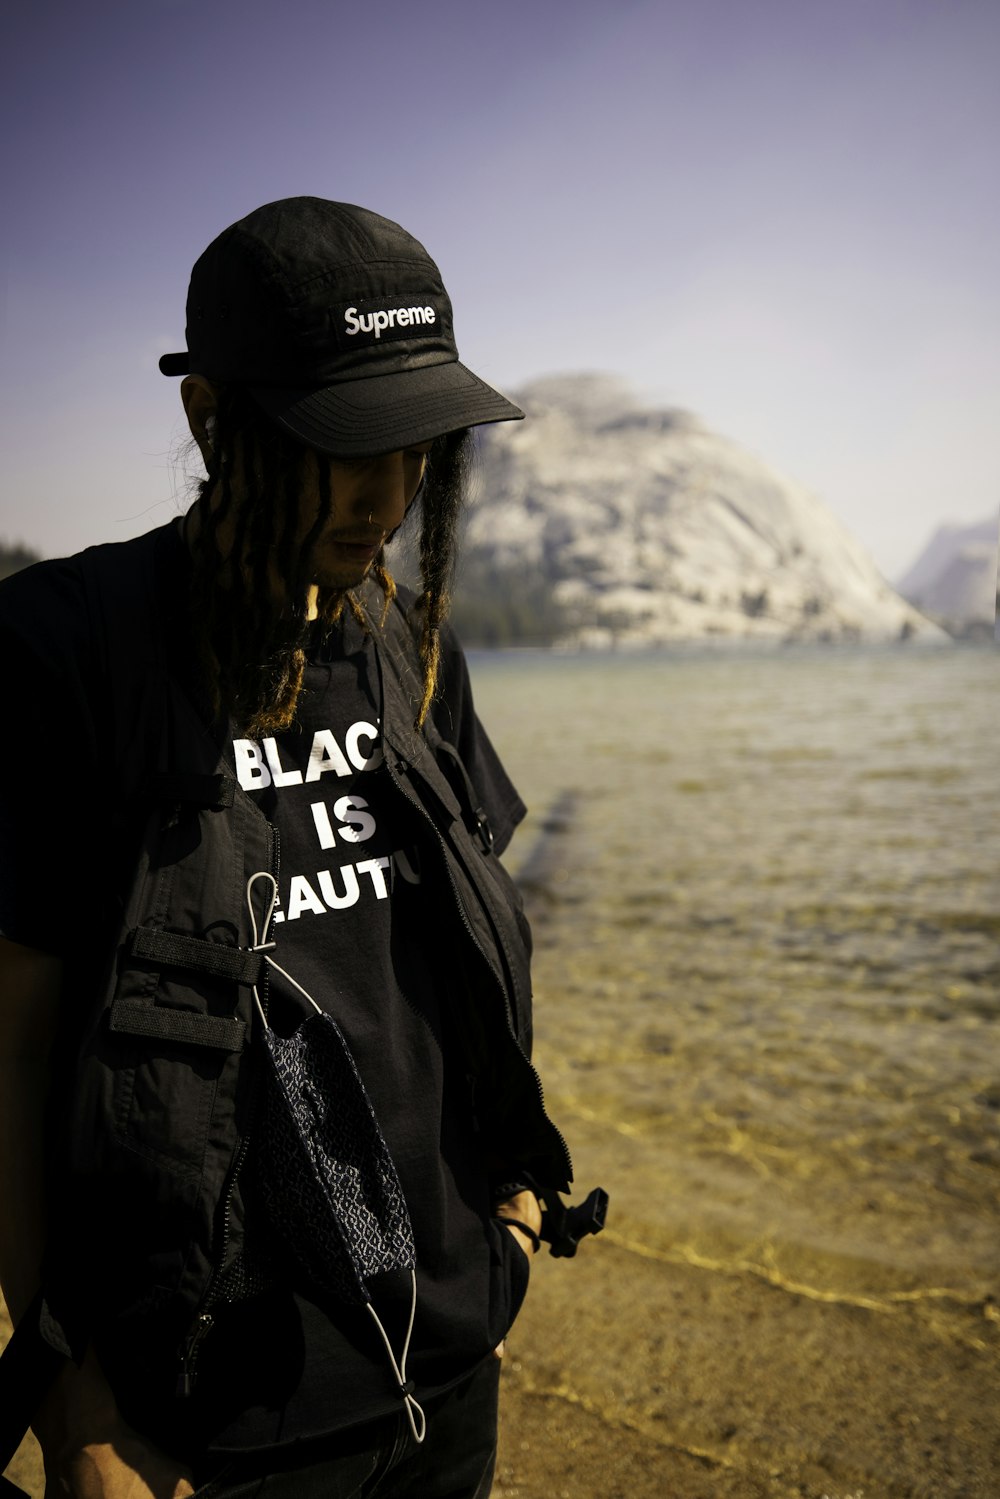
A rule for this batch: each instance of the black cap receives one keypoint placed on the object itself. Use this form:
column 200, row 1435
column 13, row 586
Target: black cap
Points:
column 337, row 322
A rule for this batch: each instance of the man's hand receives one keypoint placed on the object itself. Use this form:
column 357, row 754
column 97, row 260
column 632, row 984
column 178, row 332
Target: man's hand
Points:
column 91, row 1453
column 125, row 1467
column 526, row 1208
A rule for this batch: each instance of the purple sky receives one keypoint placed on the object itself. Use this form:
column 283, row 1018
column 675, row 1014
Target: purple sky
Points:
column 781, row 214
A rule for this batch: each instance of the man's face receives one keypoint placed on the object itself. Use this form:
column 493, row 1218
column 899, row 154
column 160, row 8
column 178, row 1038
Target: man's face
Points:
column 370, row 499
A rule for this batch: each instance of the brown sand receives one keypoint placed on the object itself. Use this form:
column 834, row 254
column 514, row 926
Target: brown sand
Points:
column 628, row 1377
column 634, row 1378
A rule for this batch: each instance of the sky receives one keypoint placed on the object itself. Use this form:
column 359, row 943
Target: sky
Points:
column 779, row 214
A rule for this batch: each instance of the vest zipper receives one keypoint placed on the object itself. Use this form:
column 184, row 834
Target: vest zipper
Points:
column 203, row 1325
column 487, row 959
column 204, row 1321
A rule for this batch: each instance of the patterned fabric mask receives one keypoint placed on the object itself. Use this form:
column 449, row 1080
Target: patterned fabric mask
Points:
column 326, row 1174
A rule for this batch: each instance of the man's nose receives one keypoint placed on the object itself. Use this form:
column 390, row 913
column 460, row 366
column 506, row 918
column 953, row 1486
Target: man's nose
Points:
column 387, row 485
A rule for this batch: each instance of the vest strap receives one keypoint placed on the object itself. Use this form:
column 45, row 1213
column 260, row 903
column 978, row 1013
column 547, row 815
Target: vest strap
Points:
column 196, row 955
column 160, row 1023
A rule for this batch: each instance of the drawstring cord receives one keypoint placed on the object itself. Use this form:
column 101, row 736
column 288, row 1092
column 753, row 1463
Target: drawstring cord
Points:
column 414, row 1411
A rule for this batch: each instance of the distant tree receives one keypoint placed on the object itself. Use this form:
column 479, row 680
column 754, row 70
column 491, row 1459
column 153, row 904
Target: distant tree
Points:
column 754, row 604
column 13, row 557
column 497, row 607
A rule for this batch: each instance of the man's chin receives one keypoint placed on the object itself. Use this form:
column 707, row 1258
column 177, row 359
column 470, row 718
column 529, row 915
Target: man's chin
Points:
column 339, row 571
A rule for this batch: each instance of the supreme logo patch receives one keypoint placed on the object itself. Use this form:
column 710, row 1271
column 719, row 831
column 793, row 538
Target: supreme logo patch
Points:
column 379, row 319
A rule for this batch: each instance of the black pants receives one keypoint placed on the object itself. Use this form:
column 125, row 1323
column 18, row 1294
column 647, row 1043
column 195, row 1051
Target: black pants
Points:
column 455, row 1460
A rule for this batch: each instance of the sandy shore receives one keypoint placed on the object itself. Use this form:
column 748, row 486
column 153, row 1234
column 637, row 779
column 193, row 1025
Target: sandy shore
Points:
column 637, row 1379
column 632, row 1377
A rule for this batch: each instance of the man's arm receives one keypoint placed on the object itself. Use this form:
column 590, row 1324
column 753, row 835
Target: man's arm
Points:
column 89, row 1451
column 30, row 991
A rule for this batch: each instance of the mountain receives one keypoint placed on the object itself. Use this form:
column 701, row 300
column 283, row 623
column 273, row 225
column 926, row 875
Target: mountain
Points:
column 955, row 577
column 602, row 522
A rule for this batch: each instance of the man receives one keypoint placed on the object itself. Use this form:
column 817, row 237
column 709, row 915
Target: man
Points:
column 264, row 981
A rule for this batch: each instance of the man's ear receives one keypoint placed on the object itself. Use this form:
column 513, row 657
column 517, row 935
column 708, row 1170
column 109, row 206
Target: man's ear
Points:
column 201, row 401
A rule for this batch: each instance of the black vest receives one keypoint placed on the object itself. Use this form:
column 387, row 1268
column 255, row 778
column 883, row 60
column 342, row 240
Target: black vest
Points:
column 156, row 1105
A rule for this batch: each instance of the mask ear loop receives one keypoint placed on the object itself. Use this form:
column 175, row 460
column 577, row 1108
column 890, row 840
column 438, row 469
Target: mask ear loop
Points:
column 414, row 1411
column 267, row 947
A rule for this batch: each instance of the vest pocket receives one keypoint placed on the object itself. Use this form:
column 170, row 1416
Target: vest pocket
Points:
column 164, row 1095
column 173, row 1026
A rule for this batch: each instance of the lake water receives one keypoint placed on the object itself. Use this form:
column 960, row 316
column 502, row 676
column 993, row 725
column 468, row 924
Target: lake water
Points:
column 765, row 894
column 765, row 891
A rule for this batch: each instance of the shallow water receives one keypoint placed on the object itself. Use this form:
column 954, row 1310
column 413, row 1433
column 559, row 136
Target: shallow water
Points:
column 765, row 892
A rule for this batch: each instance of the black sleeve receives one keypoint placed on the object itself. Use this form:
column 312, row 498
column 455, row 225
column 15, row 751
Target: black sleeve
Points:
column 50, row 845
column 455, row 717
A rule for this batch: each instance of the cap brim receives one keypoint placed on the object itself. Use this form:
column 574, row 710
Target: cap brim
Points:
column 359, row 418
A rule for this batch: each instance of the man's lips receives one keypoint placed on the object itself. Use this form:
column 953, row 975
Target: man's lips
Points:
column 358, row 546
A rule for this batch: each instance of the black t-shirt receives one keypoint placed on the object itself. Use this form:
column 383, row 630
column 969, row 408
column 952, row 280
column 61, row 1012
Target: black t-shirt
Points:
column 365, row 925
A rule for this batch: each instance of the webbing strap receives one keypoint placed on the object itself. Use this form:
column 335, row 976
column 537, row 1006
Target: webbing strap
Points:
column 196, row 954
column 136, row 1018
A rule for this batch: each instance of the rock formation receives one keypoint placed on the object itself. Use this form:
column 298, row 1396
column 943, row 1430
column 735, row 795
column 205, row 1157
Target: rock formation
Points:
column 641, row 526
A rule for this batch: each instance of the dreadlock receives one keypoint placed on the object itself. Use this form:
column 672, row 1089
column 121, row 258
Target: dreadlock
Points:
column 445, row 480
column 251, row 635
